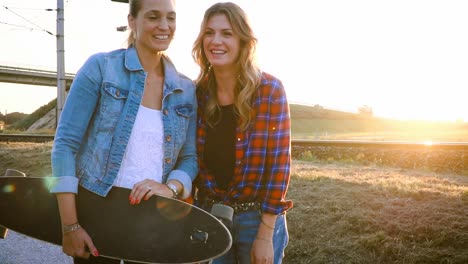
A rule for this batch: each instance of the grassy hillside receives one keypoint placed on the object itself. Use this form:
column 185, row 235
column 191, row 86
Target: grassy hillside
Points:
column 315, row 122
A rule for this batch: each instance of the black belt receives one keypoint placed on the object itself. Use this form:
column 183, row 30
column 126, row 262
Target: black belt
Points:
column 238, row 207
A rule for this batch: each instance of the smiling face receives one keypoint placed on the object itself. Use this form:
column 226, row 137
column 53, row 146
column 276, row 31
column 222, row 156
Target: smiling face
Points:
column 221, row 44
column 154, row 26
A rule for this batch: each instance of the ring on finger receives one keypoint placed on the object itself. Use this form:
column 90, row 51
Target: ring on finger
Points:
column 147, row 187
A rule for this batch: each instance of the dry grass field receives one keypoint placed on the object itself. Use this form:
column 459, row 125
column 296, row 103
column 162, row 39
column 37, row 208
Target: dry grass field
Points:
column 345, row 212
column 348, row 213
column 31, row 158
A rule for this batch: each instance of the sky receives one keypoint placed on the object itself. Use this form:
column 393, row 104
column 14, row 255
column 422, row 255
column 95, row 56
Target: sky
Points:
column 406, row 59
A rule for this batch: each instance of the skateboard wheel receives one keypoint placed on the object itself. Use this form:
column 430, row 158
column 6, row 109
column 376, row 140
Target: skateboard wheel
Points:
column 222, row 211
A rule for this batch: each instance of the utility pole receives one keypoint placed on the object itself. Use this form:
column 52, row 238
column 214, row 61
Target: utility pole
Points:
column 61, row 82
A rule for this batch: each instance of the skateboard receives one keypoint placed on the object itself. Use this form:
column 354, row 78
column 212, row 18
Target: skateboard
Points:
column 159, row 230
column 9, row 172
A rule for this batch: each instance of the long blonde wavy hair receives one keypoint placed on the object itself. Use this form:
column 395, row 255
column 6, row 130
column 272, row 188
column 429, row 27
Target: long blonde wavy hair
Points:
column 249, row 75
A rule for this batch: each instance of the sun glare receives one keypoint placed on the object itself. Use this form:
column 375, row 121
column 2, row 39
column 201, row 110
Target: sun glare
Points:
column 428, row 143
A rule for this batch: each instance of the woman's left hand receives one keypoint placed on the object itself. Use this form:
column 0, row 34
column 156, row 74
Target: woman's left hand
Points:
column 262, row 251
column 147, row 188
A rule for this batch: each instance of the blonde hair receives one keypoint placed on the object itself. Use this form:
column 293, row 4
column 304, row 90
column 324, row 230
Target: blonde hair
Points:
column 249, row 75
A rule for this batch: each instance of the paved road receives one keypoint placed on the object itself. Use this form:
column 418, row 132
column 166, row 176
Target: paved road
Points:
column 19, row 249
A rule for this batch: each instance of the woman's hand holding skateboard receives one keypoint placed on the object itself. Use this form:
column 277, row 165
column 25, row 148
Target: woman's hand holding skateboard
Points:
column 77, row 242
column 147, row 188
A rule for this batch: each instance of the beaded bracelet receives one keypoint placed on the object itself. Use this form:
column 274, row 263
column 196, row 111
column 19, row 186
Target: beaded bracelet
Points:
column 71, row 228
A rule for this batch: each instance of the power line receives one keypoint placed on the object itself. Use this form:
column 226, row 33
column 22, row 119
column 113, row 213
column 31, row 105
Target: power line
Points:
column 38, row 27
column 26, row 8
column 20, row 26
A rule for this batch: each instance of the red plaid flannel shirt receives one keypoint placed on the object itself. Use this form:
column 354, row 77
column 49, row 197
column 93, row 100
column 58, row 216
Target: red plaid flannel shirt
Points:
column 263, row 153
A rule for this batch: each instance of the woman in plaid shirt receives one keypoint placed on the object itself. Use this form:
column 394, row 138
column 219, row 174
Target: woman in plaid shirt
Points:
column 243, row 137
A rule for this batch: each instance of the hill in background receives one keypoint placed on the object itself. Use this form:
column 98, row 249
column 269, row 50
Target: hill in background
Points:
column 308, row 122
column 316, row 122
column 12, row 118
column 41, row 119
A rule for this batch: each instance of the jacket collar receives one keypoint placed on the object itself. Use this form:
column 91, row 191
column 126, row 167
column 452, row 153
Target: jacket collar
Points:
column 132, row 63
column 171, row 76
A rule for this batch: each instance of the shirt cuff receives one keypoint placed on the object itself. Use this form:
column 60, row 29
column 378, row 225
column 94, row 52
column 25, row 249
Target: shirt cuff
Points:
column 63, row 184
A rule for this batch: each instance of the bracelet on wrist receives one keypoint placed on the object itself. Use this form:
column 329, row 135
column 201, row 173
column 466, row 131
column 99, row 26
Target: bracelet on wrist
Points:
column 173, row 188
column 71, row 228
column 267, row 225
column 264, row 239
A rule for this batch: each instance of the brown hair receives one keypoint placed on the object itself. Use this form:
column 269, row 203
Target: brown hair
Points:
column 134, row 9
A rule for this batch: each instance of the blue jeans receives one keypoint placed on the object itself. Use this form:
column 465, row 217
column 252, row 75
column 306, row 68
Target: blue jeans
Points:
column 244, row 231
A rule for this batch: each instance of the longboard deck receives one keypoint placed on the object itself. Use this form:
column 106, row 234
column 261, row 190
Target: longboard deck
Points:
column 160, row 230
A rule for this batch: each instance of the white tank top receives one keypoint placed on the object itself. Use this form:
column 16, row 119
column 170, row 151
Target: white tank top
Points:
column 144, row 154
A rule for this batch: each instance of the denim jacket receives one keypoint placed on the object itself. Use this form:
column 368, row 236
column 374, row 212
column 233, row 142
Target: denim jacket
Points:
column 98, row 117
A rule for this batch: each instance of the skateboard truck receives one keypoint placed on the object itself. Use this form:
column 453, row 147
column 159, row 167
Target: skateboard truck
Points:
column 199, row 236
column 224, row 213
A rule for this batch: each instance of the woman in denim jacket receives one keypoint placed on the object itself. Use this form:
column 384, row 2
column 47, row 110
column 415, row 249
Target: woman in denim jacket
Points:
column 128, row 121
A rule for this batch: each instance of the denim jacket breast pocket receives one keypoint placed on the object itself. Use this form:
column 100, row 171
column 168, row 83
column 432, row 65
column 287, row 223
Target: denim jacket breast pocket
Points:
column 113, row 100
column 184, row 112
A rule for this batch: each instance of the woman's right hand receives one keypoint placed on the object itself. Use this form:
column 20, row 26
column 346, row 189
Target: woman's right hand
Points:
column 79, row 244
column 75, row 240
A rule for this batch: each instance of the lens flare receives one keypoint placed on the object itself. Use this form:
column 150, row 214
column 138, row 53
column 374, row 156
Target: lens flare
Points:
column 172, row 210
column 9, row 188
column 50, row 182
